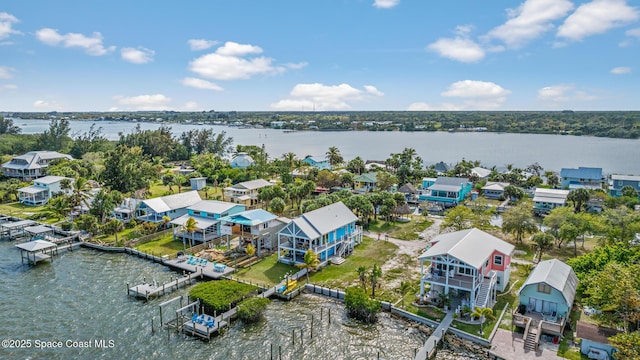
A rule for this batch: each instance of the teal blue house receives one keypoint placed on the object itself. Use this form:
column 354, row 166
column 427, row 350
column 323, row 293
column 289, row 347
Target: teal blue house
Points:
column 546, row 298
column 330, row 232
column 447, row 191
column 582, row 177
column 620, row 181
column 207, row 215
column 321, row 163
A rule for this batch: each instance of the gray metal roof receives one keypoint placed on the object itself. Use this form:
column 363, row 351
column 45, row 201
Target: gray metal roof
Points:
column 51, row 179
column 553, row 196
column 38, row 229
column 30, row 160
column 36, row 245
column 32, row 189
column 213, row 206
column 201, row 222
column 444, row 183
column 324, row 220
column 556, row 274
column 252, row 184
column 625, row 177
column 472, row 246
column 492, row 185
column 173, row 202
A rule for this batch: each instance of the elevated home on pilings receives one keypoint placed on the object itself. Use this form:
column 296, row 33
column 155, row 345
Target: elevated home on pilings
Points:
column 257, row 227
column 330, row 232
column 172, row 206
column 469, row 264
column 207, row 215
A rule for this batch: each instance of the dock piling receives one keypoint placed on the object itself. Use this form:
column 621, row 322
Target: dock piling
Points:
column 293, row 337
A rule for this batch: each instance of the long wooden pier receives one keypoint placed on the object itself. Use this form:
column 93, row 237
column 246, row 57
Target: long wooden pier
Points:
column 147, row 291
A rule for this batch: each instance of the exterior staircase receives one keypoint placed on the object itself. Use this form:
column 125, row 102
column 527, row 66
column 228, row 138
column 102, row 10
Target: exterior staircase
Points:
column 531, row 337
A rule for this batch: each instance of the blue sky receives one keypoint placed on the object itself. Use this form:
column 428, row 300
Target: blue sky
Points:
column 319, row 54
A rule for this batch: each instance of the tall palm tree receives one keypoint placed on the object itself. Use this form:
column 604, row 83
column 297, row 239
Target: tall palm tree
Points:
column 482, row 314
column 374, row 275
column 311, row 262
column 190, row 226
column 404, row 289
column 289, row 159
column 334, row 157
column 578, row 197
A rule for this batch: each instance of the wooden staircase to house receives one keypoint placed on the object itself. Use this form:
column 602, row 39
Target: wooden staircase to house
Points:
column 532, row 336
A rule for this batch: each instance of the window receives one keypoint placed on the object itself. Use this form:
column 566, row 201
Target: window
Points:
column 544, row 288
column 497, row 259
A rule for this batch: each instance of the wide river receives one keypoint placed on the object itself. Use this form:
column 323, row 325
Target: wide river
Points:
column 552, row 152
column 81, row 298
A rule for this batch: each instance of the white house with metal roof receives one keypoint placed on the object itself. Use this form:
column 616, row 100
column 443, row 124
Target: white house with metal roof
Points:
column 42, row 190
column 469, row 264
column 172, row 206
column 330, row 231
column 494, row 189
column 546, row 297
column 545, row 200
column 207, row 214
column 31, row 165
column 257, row 227
column 245, row 192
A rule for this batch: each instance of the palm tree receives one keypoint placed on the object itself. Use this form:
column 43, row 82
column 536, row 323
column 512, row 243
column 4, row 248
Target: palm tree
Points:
column 578, row 197
column 80, row 194
column 482, row 314
column 334, row 157
column 60, row 206
column 404, row 289
column 552, row 178
column 544, row 242
column 362, row 275
column 180, row 180
column 289, row 159
column 206, row 192
column 374, row 275
column 190, row 226
column 311, row 262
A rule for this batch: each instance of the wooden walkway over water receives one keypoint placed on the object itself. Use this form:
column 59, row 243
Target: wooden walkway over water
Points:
column 147, row 290
column 430, row 345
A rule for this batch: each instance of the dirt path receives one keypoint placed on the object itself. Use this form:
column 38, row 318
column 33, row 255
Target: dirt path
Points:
column 407, row 248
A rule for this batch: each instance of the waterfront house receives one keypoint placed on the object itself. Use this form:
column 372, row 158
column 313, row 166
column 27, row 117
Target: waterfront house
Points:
column 245, row 193
column 545, row 200
column 207, row 215
column 594, row 340
column 426, row 182
column 42, row 190
column 330, row 231
column 546, row 298
column 258, row 227
column 620, row 181
column 126, row 211
column 494, row 190
column 319, row 162
column 582, row 177
column 441, row 167
column 447, row 191
column 31, row 165
column 470, row 264
column 172, row 206
column 365, row 182
column 241, row 161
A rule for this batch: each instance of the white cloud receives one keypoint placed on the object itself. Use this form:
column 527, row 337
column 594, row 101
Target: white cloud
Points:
column 144, row 102
column 459, row 48
column 91, row 45
column 231, row 62
column 46, row 105
column 620, row 70
column 563, row 93
column 633, row 32
column 475, row 95
column 9, row 87
column 296, row 66
column 137, row 56
column 597, row 17
column 325, row 97
column 200, row 84
column 385, row 4
column 6, row 25
column 6, row 72
column 530, row 20
column 191, row 106
column 231, row 48
column 201, row 44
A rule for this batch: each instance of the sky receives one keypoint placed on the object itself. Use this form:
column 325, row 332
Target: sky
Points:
column 322, row 55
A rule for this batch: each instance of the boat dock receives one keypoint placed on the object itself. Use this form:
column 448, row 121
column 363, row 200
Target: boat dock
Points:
column 147, row 291
column 208, row 269
column 438, row 334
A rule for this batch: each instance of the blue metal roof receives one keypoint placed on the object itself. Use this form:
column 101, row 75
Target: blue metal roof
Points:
column 582, row 173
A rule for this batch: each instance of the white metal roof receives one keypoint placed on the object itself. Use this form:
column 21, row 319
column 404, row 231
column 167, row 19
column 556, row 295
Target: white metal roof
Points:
column 444, row 183
column 30, row 159
column 324, row 220
column 17, row 224
column 32, row 189
column 201, row 222
column 38, row 229
column 36, row 245
column 625, row 177
column 252, row 184
column 480, row 172
column 496, row 186
column 471, row 246
column 50, row 179
column 213, row 206
column 173, row 202
column 553, row 196
column 556, row 274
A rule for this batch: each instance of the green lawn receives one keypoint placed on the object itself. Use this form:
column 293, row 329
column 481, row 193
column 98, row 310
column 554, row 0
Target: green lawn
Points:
column 404, row 231
column 23, row 211
column 122, row 236
column 162, row 246
column 366, row 254
column 268, row 271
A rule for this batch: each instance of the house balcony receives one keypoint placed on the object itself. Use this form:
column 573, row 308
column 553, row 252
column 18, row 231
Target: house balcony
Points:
column 463, row 282
column 549, row 324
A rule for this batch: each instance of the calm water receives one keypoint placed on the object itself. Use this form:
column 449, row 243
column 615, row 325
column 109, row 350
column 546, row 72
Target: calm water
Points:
column 81, row 296
column 553, row 152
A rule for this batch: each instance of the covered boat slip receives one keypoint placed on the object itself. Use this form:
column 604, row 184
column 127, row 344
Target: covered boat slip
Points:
column 36, row 251
column 12, row 230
